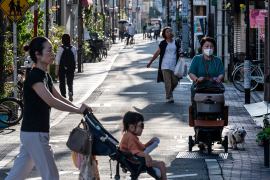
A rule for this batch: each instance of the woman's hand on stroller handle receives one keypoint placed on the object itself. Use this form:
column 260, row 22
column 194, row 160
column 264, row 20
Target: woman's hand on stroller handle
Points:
column 84, row 108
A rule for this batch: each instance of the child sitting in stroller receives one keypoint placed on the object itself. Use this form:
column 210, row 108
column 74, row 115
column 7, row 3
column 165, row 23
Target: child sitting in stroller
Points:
column 132, row 128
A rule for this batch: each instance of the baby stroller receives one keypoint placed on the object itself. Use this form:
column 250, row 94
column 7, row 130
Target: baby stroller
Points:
column 106, row 145
column 209, row 115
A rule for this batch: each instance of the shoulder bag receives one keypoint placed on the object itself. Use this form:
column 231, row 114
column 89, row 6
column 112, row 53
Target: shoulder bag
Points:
column 81, row 140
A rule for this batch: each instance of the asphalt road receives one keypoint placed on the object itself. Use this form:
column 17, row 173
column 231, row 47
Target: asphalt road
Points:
column 129, row 85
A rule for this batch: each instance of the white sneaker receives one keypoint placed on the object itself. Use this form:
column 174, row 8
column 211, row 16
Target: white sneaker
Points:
column 70, row 96
column 170, row 100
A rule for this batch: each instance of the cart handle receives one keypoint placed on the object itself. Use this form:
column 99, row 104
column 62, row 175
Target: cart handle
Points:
column 205, row 79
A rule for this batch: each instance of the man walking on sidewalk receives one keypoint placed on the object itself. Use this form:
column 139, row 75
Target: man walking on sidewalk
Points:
column 67, row 56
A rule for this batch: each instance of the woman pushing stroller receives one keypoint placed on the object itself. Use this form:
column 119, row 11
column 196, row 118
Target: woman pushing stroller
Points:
column 39, row 96
column 132, row 128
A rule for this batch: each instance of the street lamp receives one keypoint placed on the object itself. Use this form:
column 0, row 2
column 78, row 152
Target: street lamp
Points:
column 113, row 24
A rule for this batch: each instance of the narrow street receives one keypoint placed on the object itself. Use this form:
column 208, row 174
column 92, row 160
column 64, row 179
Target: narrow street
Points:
column 121, row 83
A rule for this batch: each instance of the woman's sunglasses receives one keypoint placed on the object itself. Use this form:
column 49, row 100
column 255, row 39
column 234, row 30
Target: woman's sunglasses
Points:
column 142, row 125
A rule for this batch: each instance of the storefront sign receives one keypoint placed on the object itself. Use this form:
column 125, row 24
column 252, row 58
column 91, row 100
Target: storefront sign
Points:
column 257, row 18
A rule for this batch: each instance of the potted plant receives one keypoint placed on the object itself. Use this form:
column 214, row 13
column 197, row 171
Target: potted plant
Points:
column 265, row 136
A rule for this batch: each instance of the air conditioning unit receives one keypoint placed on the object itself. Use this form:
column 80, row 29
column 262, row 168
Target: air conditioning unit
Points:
column 85, row 3
column 73, row 2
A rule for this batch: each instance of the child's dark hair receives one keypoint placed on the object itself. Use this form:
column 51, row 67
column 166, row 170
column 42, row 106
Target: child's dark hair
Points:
column 35, row 45
column 131, row 118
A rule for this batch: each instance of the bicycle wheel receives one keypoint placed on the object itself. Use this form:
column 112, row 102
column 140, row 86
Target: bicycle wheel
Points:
column 132, row 43
column 12, row 109
column 104, row 51
column 125, row 43
column 238, row 78
column 100, row 55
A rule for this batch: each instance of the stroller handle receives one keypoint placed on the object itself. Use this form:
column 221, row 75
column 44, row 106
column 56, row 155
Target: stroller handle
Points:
column 205, row 79
column 86, row 112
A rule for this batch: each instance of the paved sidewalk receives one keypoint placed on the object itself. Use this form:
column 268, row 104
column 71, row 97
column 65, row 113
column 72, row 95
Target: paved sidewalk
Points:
column 248, row 163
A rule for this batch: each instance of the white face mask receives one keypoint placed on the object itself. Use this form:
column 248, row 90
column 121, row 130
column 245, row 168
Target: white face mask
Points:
column 208, row 52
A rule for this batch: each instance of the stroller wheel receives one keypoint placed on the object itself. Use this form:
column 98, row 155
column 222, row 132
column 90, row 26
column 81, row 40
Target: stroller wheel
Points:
column 225, row 143
column 209, row 144
column 190, row 143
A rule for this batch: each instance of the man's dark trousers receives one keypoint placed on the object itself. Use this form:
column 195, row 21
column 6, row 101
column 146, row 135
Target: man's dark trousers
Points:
column 70, row 76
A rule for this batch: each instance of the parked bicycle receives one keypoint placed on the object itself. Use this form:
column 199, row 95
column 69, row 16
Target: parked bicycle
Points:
column 11, row 110
column 256, row 74
column 20, row 79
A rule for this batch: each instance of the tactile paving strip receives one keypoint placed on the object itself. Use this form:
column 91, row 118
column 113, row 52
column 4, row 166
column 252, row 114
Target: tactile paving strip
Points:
column 203, row 155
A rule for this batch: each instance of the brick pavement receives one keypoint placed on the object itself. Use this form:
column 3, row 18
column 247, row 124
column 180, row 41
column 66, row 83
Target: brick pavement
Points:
column 248, row 163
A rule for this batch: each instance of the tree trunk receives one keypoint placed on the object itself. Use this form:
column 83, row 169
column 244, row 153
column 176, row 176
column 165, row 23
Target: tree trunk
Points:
column 2, row 51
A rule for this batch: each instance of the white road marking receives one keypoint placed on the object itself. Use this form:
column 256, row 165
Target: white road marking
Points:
column 94, row 105
column 9, row 157
column 185, row 83
column 173, row 176
column 133, row 92
column 107, row 105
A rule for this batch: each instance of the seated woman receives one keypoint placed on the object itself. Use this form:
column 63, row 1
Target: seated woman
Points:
column 197, row 71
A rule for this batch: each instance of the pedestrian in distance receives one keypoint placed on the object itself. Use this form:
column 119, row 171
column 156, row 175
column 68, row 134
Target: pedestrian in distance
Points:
column 144, row 30
column 197, row 71
column 149, row 31
column 122, row 29
column 131, row 32
column 169, row 52
column 39, row 96
column 132, row 128
column 157, row 28
column 67, row 57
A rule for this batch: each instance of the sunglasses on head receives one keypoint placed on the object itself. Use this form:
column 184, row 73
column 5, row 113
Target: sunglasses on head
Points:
column 142, row 125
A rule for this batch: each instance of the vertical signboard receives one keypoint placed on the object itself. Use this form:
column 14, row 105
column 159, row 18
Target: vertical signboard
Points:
column 164, row 12
column 184, row 8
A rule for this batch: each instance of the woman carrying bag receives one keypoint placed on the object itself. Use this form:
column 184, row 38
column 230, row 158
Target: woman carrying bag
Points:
column 39, row 96
column 214, row 65
column 169, row 52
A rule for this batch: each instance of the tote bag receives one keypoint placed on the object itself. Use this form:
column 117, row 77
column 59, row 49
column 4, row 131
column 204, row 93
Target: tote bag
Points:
column 181, row 68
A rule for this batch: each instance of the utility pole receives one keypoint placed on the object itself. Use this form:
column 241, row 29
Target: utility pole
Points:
column 113, row 24
column 2, row 49
column 231, row 41
column 223, row 31
column 47, row 19
column 119, row 5
column 137, row 12
column 80, row 28
column 168, row 12
column 35, row 19
column 247, row 79
column 192, row 30
column 102, row 5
